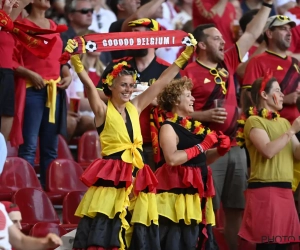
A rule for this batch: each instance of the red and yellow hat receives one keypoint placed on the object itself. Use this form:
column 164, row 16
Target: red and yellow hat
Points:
column 145, row 22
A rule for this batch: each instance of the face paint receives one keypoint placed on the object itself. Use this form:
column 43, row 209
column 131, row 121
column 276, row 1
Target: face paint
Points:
column 275, row 99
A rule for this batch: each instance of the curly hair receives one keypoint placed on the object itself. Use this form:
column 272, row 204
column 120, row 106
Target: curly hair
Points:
column 124, row 72
column 171, row 94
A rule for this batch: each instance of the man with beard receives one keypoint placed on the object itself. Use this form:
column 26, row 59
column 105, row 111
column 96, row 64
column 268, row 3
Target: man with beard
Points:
column 216, row 107
column 149, row 67
column 278, row 36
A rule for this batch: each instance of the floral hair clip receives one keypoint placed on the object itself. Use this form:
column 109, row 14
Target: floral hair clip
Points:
column 116, row 71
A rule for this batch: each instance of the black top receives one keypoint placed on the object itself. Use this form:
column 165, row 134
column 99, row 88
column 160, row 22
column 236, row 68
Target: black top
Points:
column 188, row 140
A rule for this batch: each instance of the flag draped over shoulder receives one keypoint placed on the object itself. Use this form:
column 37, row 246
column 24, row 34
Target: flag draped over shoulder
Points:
column 125, row 41
column 29, row 37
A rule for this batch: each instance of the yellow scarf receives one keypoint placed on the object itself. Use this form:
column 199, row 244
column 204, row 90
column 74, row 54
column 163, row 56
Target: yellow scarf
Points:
column 115, row 138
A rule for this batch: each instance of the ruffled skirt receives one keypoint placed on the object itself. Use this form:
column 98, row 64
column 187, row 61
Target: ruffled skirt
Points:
column 109, row 220
column 184, row 203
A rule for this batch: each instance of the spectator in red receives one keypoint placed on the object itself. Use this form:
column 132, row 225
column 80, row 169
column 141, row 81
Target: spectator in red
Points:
column 7, row 92
column 220, row 12
column 286, row 70
column 42, row 104
column 216, row 107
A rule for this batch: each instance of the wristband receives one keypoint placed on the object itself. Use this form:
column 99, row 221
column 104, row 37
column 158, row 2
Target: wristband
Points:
column 267, row 5
column 200, row 148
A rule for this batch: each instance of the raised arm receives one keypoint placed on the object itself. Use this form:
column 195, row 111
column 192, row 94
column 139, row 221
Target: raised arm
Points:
column 97, row 105
column 147, row 10
column 144, row 99
column 254, row 28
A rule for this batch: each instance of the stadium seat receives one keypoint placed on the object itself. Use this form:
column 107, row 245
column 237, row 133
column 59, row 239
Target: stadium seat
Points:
column 35, row 206
column 62, row 177
column 17, row 174
column 41, row 229
column 70, row 204
column 88, row 148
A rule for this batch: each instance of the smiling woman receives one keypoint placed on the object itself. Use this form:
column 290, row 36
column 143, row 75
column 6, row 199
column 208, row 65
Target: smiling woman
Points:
column 120, row 181
column 185, row 185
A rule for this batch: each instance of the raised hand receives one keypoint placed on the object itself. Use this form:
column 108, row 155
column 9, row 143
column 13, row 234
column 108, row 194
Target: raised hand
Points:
column 190, row 43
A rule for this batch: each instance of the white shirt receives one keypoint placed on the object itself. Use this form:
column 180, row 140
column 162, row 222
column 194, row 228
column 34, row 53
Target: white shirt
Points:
column 3, row 152
column 102, row 20
column 5, row 223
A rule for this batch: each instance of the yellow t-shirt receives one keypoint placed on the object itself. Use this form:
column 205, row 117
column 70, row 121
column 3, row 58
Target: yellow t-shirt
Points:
column 280, row 167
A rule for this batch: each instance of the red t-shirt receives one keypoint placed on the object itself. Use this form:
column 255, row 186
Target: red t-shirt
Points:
column 94, row 77
column 205, row 90
column 202, row 15
column 7, row 43
column 48, row 68
column 285, row 70
column 295, row 46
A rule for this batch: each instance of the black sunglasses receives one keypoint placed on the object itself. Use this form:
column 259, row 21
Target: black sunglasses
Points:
column 84, row 11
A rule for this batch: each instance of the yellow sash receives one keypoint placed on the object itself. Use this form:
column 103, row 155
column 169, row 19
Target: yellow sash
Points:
column 51, row 96
column 115, row 138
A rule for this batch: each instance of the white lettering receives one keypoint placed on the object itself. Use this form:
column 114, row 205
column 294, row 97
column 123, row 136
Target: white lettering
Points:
column 144, row 41
column 166, row 40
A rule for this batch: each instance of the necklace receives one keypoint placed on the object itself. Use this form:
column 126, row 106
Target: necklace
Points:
column 194, row 126
column 252, row 111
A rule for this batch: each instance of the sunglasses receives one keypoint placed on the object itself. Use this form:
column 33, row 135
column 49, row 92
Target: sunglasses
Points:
column 84, row 11
column 218, row 79
column 281, row 18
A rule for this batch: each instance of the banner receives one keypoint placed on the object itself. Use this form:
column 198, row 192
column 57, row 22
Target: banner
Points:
column 126, row 41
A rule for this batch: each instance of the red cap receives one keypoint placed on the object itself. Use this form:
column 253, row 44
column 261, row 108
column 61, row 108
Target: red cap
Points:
column 10, row 207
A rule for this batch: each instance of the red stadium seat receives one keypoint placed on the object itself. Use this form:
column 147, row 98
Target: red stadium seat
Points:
column 70, row 204
column 17, row 174
column 41, row 229
column 88, row 148
column 62, row 177
column 35, row 206
column 63, row 151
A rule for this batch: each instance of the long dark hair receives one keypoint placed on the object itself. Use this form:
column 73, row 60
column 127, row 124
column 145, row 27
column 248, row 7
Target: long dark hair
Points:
column 252, row 95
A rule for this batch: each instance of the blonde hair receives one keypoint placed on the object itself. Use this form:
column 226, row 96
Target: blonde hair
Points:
column 99, row 66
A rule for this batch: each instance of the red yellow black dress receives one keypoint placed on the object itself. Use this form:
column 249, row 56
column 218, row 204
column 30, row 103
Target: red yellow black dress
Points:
column 109, row 219
column 184, row 199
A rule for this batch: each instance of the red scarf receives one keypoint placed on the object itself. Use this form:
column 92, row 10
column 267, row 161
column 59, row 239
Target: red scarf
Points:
column 126, row 40
column 28, row 36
